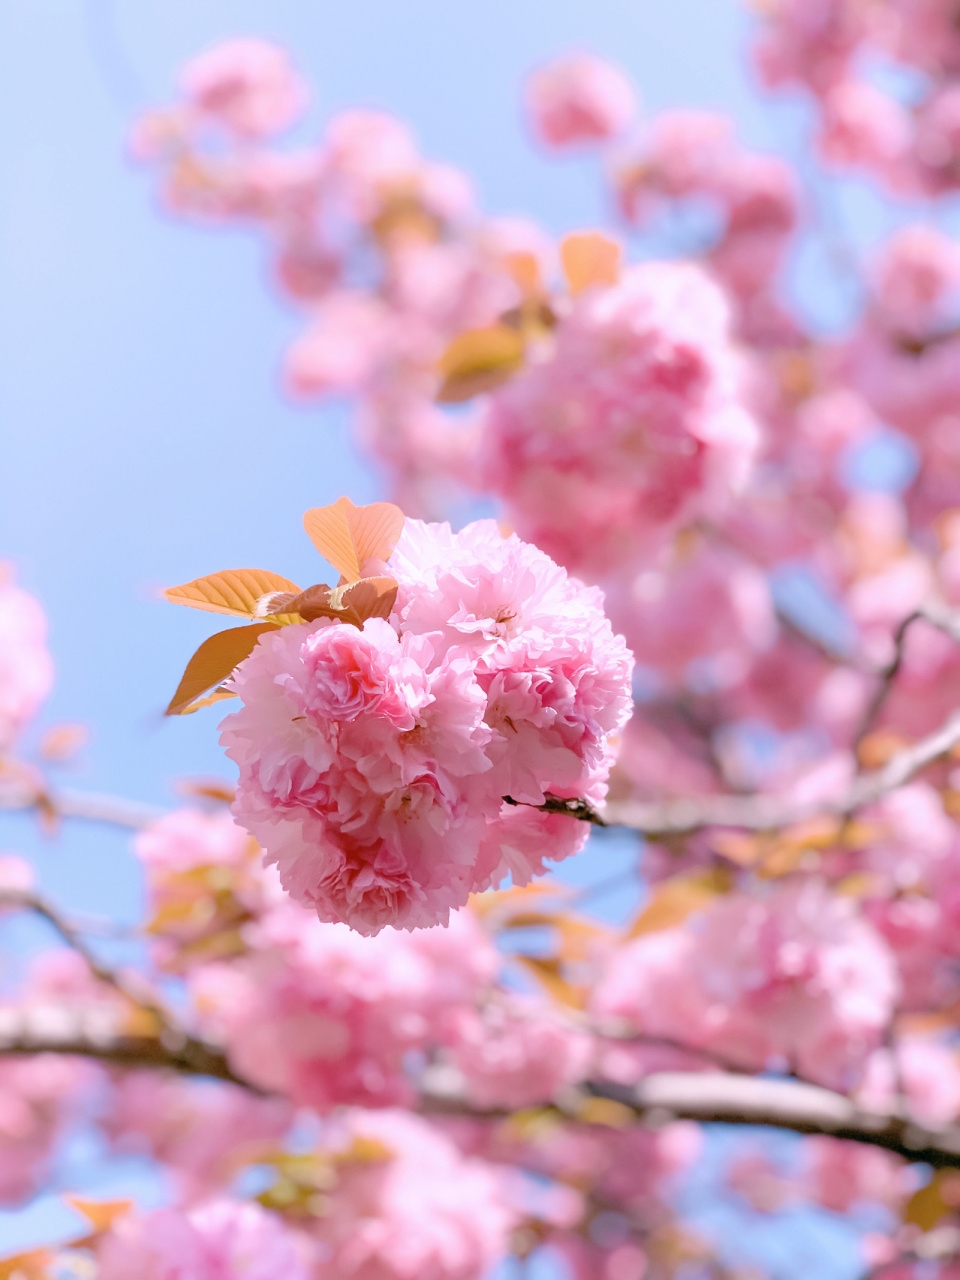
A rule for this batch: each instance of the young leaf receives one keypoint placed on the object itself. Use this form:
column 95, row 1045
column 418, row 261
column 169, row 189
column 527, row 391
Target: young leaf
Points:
column 275, row 605
column 26, row 1266
column 235, row 591
column 218, row 695
column 371, row 597
column 525, row 269
column 934, row 1201
column 348, row 536
column 99, row 1213
column 673, row 900
column 319, row 601
column 548, row 973
column 214, row 661
column 480, row 360
column 589, row 258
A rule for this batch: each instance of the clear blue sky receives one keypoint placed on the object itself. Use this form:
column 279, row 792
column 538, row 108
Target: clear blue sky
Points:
column 144, row 441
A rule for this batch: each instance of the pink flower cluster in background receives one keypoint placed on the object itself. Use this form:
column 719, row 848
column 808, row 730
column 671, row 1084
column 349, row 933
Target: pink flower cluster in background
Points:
column 26, row 669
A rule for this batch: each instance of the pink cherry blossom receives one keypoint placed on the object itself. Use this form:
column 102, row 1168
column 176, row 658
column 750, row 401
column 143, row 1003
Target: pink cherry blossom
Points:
column 202, row 1132
column 326, row 1017
column 796, row 976
column 866, row 128
column 496, row 676
column 841, row 1174
column 414, row 1208
column 26, row 670
column 518, row 1053
column 629, row 426
column 247, row 86
column 578, row 99
column 226, row 1239
column 39, row 1098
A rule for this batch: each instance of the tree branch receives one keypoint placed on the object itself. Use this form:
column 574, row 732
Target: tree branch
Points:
column 22, row 1034
column 88, row 806
column 712, row 1097
column 137, row 992
column 757, row 812
column 937, row 615
column 718, row 1098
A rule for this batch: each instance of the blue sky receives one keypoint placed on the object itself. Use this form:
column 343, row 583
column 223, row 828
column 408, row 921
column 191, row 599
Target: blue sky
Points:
column 144, row 438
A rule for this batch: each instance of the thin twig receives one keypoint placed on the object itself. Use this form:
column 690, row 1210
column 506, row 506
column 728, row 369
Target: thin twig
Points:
column 936, row 615
column 88, row 806
column 191, row 1057
column 758, row 812
column 132, row 991
column 885, row 678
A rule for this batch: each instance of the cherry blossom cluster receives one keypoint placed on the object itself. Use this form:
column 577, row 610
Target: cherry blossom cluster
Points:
column 391, row 770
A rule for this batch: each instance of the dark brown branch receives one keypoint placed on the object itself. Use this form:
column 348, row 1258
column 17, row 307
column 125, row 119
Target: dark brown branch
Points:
column 188, row 1056
column 719, row 1098
column 758, row 812
column 571, row 808
column 936, row 615
column 707, row 1097
column 133, row 989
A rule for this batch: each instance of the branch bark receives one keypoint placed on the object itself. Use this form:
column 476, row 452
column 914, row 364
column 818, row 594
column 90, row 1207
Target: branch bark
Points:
column 937, row 615
column 715, row 1097
column 88, row 806
column 21, row 1037
column 710, row 1097
column 758, row 812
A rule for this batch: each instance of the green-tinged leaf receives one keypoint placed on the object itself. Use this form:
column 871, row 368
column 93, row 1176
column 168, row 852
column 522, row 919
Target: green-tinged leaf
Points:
column 938, row 1198
column 480, row 360
column 348, row 536
column 234, row 591
column 213, row 662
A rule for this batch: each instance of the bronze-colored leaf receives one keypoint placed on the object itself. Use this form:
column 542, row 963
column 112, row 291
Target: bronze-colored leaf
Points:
column 321, row 601
column 371, row 597
column 207, row 788
column 101, row 1214
column 275, row 605
column 218, row 695
column 550, row 975
column 214, row 661
column 313, row 603
column 590, row 258
column 234, row 591
column 62, row 741
column 27, row 1266
column 349, row 536
column 480, row 360
column 673, row 900
column 525, row 270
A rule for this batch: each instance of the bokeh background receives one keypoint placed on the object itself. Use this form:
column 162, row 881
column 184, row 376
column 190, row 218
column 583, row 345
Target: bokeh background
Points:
column 145, row 438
